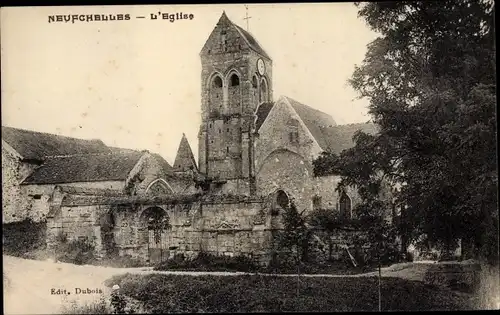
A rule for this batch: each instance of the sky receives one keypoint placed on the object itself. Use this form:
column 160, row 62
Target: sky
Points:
column 136, row 83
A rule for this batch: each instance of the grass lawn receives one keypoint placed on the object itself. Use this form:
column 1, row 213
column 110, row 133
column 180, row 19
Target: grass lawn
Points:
column 254, row 293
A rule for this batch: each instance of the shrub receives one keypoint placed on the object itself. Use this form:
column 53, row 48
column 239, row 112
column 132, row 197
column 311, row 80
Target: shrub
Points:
column 254, row 293
column 95, row 307
column 20, row 238
column 78, row 252
column 208, row 262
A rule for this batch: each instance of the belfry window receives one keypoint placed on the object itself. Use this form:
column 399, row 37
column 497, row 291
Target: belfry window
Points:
column 217, row 82
column 235, row 80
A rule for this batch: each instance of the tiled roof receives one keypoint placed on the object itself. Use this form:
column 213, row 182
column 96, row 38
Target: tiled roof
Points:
column 86, row 191
column 37, row 145
column 310, row 116
column 167, row 168
column 84, row 168
column 338, row 138
column 184, row 160
column 252, row 42
column 262, row 113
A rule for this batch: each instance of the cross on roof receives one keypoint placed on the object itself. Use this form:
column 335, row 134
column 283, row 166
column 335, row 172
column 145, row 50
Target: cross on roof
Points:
column 246, row 16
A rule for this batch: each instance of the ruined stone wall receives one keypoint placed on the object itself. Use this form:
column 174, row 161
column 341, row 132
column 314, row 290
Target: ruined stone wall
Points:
column 39, row 196
column 219, row 228
column 15, row 205
column 76, row 223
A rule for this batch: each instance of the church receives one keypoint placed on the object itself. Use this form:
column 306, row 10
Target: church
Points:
column 255, row 156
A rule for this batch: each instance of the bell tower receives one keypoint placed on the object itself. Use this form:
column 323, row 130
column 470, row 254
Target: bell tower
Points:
column 236, row 78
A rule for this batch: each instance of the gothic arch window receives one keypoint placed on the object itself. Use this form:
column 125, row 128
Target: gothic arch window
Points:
column 234, row 80
column 264, row 91
column 216, row 94
column 234, row 93
column 282, row 199
column 159, row 187
column 217, row 82
column 255, row 89
column 345, row 206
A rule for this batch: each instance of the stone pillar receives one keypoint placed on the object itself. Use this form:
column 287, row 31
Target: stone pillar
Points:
column 99, row 250
column 202, row 151
column 245, row 155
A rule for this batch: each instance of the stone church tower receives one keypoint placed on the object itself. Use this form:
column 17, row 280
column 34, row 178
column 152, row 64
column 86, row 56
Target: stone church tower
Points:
column 236, row 78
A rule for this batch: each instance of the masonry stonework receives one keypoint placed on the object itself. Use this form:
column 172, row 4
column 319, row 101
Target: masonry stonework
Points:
column 254, row 153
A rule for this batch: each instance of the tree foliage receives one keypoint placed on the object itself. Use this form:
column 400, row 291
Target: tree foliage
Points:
column 295, row 236
column 430, row 81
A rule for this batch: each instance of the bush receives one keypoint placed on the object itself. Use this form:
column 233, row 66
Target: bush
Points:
column 20, row 238
column 208, row 262
column 78, row 252
column 253, row 293
column 96, row 307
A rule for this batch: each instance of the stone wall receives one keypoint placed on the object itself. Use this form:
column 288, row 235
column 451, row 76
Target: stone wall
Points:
column 290, row 172
column 219, row 228
column 40, row 196
column 15, row 205
column 274, row 134
column 76, row 223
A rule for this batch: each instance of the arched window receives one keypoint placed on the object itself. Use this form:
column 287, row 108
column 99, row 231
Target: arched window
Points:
column 158, row 187
column 255, row 89
column 282, row 199
column 234, row 97
column 216, row 95
column 345, row 206
column 263, row 93
column 235, row 80
column 217, row 82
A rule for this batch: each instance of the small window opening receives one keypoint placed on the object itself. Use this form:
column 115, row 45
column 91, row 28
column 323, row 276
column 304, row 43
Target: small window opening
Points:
column 37, row 197
column 235, row 80
column 217, row 83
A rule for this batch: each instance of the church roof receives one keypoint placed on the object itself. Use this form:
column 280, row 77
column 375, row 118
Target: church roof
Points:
column 85, row 168
column 329, row 135
column 167, row 168
column 184, row 160
column 252, row 42
column 37, row 145
column 262, row 113
column 338, row 138
column 245, row 35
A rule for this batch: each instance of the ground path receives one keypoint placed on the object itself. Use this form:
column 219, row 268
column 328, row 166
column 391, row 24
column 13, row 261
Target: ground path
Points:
column 28, row 283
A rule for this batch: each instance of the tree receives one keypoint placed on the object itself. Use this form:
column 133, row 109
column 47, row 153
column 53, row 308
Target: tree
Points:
column 295, row 236
column 430, row 81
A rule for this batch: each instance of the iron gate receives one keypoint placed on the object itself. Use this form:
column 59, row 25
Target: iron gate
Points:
column 157, row 245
